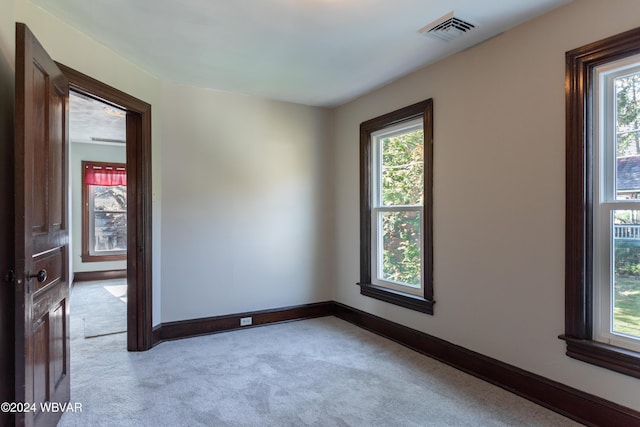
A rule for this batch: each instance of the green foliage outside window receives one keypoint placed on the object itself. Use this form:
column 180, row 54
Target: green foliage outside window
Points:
column 626, row 289
column 402, row 185
column 628, row 115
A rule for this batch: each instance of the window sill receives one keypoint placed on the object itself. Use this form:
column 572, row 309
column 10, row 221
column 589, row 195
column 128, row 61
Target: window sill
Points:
column 103, row 258
column 604, row 355
column 403, row 299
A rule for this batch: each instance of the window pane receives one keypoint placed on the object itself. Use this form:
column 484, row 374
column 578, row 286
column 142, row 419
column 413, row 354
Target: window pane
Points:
column 403, row 169
column 626, row 280
column 112, row 198
column 401, row 255
column 627, row 89
column 110, row 231
column 110, row 218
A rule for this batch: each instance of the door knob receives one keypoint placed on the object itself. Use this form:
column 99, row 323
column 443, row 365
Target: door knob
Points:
column 40, row 275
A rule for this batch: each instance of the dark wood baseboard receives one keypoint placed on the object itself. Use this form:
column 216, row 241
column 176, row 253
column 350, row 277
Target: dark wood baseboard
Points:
column 86, row 276
column 570, row 402
column 209, row 325
column 156, row 333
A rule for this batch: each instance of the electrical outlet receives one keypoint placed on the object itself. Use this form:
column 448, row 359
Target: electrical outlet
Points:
column 245, row 321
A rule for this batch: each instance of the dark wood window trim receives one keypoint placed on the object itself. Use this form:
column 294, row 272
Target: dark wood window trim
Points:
column 580, row 65
column 86, row 255
column 425, row 302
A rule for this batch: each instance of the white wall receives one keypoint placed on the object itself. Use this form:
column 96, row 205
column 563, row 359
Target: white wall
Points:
column 98, row 153
column 74, row 49
column 245, row 206
column 7, row 32
column 498, row 194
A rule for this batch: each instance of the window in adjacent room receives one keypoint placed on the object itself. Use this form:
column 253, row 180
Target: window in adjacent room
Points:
column 104, row 218
column 396, row 207
column 602, row 319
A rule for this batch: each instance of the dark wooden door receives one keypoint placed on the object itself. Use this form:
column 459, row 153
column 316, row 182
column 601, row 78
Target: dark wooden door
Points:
column 41, row 227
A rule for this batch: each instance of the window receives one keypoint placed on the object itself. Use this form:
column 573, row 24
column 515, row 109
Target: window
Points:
column 396, row 169
column 104, row 218
column 616, row 213
column 602, row 317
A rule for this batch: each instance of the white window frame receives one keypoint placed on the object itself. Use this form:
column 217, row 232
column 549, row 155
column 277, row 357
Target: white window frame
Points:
column 377, row 209
column 604, row 138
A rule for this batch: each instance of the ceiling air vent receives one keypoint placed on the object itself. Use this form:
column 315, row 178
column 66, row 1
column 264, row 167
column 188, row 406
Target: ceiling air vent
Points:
column 447, row 28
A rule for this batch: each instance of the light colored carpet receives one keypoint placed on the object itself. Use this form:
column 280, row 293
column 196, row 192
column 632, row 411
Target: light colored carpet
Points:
column 318, row 372
column 101, row 306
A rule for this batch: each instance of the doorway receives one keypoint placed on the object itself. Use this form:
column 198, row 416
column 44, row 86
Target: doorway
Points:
column 98, row 244
column 139, row 204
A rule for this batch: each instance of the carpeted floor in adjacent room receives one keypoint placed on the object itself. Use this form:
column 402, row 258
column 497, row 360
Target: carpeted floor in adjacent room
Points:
column 319, row 372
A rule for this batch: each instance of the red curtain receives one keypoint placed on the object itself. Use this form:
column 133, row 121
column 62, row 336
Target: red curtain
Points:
column 107, row 175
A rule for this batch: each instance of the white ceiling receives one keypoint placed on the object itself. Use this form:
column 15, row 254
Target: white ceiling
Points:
column 94, row 122
column 313, row 52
